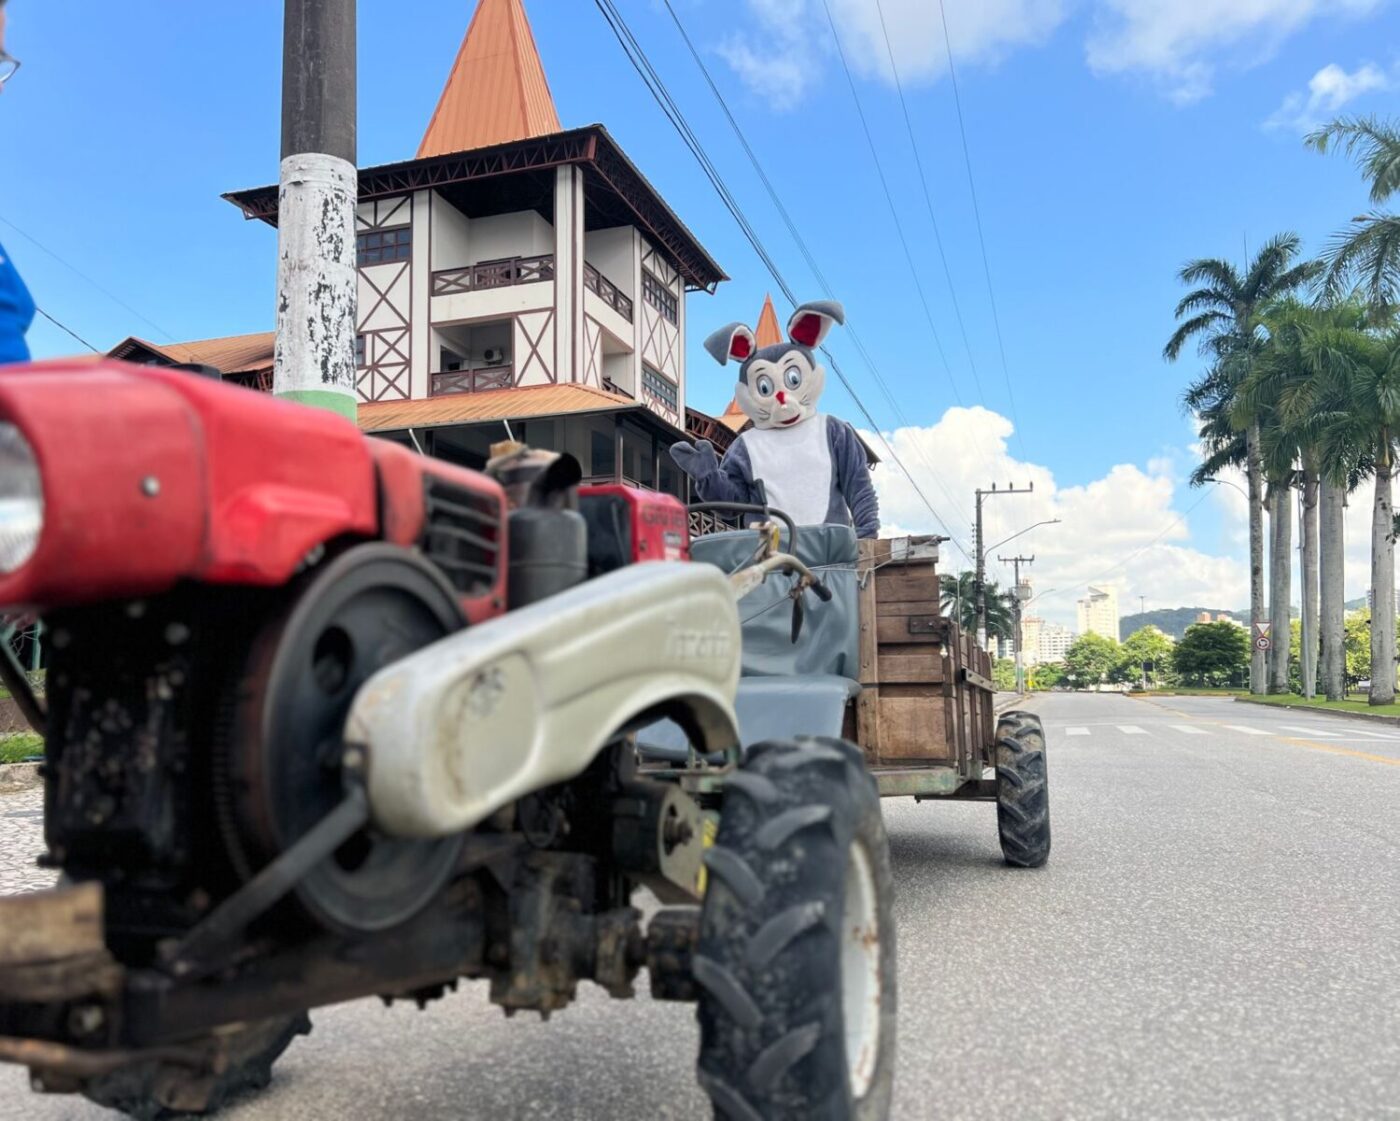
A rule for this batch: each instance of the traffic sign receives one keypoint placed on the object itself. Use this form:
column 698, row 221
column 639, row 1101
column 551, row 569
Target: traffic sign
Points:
column 1262, row 640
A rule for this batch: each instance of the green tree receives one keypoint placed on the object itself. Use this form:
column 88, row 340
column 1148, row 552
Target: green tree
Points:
column 1004, row 675
column 1354, row 400
column 1146, row 646
column 959, row 600
column 1222, row 313
column 1368, row 250
column 1212, row 653
column 1046, row 675
column 1091, row 659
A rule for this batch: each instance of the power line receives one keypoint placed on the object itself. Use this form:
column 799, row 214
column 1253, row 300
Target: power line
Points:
column 894, row 212
column 977, row 215
column 83, row 276
column 928, row 197
column 805, row 249
column 67, row 330
column 637, row 57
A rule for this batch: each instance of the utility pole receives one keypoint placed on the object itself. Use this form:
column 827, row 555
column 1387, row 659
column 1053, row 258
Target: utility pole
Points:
column 1017, row 600
column 981, row 576
column 316, row 275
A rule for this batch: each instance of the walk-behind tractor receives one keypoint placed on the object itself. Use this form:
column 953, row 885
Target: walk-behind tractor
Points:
column 326, row 719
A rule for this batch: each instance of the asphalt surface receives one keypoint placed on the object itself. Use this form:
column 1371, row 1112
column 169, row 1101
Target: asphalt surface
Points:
column 1217, row 935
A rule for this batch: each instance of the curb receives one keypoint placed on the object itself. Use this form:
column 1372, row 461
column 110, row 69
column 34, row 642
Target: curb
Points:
column 1019, row 698
column 1364, row 717
column 17, row 777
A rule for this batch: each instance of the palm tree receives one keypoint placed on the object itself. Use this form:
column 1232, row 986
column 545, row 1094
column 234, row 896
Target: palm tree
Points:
column 1367, row 251
column 959, row 599
column 1224, row 316
column 1356, row 406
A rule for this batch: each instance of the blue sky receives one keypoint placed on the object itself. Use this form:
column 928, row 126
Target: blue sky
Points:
column 1110, row 139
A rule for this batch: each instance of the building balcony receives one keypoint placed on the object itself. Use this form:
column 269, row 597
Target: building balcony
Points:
column 447, row 382
column 493, row 274
column 607, row 291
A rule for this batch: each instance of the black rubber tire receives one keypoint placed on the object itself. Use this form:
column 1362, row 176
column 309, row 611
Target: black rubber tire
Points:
column 1023, row 796
column 768, row 962
column 141, row 1092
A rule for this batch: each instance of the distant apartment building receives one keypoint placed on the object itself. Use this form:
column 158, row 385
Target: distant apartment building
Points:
column 1204, row 617
column 1054, row 642
column 1098, row 611
column 1031, row 626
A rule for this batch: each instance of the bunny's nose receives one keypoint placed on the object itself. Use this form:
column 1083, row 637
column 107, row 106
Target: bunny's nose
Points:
column 782, row 397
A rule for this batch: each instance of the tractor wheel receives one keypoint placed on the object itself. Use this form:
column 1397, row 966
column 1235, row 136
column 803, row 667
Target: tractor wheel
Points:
column 796, row 957
column 1023, row 798
column 154, row 1091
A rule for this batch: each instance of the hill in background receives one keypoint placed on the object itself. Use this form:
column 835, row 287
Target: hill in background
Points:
column 1173, row 621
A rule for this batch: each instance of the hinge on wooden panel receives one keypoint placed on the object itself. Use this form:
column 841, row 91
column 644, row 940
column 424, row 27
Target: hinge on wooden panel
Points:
column 972, row 677
column 925, row 624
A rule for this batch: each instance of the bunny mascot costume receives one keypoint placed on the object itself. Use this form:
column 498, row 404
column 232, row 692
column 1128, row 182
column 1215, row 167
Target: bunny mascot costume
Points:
column 811, row 466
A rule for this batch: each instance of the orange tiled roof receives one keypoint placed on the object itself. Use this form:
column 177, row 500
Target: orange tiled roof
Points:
column 767, row 333
column 234, row 354
column 497, row 91
column 492, row 404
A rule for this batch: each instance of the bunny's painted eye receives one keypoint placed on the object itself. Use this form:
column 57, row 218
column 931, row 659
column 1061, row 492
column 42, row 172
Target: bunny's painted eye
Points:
column 792, row 377
column 764, row 385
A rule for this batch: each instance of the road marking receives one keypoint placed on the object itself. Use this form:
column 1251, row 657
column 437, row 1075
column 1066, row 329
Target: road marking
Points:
column 1333, row 749
column 1131, row 730
column 1308, row 731
column 1076, row 731
column 1245, row 729
column 1189, row 729
column 1372, row 735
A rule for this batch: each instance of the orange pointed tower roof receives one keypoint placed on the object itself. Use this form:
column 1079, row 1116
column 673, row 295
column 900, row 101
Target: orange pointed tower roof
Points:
column 767, row 333
column 497, row 91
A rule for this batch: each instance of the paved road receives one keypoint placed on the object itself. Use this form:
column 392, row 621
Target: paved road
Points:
column 1217, row 936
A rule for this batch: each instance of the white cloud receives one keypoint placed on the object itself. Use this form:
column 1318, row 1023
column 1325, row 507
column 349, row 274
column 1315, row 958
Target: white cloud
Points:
column 1328, row 91
column 786, row 48
column 1104, row 523
column 1180, row 42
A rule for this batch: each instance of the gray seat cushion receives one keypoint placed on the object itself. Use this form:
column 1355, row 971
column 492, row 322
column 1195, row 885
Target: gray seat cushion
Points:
column 829, row 643
column 768, row 708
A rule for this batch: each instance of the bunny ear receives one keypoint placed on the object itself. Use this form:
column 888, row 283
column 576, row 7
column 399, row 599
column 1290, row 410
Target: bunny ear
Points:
column 811, row 322
column 735, row 341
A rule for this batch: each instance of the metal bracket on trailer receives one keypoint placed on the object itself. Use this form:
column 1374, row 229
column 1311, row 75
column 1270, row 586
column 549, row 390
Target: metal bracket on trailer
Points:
column 972, row 677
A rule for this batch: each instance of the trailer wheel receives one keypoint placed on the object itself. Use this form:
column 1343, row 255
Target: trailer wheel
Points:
column 796, row 957
column 160, row 1092
column 1023, row 798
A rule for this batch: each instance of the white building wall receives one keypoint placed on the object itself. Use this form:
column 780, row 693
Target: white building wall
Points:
column 522, row 234
column 420, row 373
column 611, row 252
column 451, row 235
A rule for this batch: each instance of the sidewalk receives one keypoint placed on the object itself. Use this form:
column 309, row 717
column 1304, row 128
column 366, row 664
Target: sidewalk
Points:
column 1333, row 713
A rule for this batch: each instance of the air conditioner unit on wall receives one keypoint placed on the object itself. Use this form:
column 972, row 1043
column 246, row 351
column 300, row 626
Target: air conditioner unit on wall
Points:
column 494, row 356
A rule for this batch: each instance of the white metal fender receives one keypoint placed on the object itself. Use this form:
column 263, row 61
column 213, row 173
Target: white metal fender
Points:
column 480, row 718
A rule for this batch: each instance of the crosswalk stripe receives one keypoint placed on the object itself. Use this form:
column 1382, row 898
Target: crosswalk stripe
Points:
column 1245, row 729
column 1131, row 730
column 1189, row 729
column 1076, row 731
column 1373, row 735
column 1308, row 731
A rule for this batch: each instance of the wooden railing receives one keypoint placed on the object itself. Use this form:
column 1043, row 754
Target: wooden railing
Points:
column 447, row 382
column 703, row 522
column 607, row 291
column 493, row 274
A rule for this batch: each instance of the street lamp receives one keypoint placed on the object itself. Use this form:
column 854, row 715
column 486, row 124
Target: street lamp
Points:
column 1226, row 483
column 999, row 544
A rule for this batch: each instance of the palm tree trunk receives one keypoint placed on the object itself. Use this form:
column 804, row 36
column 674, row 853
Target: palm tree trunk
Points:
column 1254, row 472
column 1383, row 584
column 1333, row 562
column 1280, row 579
column 1308, row 647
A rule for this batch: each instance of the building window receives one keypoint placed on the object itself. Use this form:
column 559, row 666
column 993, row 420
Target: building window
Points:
column 658, row 295
column 658, row 385
column 359, row 351
column 383, row 247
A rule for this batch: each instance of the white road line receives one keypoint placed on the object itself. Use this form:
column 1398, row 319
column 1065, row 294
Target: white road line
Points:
column 1076, row 731
column 1131, row 730
column 1189, row 729
column 1372, row 735
column 1245, row 729
column 1308, row 731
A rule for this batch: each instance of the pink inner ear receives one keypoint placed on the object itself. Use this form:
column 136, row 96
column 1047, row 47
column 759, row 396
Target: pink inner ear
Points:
column 806, row 330
column 740, row 347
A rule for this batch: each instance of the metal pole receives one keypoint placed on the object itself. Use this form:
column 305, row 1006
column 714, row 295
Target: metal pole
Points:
column 982, row 557
column 1016, row 563
column 317, row 282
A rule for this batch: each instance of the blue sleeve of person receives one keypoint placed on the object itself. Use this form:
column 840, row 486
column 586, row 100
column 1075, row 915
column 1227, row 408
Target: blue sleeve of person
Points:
column 16, row 312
